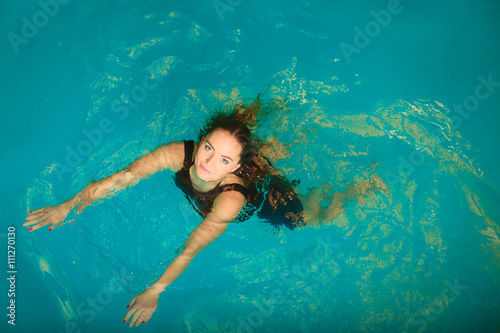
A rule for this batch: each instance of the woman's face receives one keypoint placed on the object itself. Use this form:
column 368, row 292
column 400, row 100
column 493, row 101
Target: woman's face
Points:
column 218, row 154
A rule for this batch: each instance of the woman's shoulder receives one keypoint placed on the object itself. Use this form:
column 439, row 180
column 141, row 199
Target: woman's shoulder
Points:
column 172, row 154
column 232, row 179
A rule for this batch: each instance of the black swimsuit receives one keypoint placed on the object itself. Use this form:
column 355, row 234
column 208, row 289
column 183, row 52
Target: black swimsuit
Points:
column 280, row 206
column 203, row 201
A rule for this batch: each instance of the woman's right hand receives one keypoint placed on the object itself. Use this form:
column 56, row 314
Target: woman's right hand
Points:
column 48, row 215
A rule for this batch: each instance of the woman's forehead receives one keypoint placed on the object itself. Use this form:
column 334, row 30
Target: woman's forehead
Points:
column 224, row 143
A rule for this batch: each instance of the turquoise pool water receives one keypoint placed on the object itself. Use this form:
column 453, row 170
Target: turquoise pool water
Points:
column 89, row 86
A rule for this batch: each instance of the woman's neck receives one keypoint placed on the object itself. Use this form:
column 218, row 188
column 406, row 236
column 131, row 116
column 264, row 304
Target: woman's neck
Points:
column 202, row 185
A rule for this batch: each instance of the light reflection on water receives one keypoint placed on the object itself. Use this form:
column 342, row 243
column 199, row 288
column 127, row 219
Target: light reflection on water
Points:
column 395, row 252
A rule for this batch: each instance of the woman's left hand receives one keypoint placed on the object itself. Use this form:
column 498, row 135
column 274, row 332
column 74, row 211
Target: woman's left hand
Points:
column 143, row 305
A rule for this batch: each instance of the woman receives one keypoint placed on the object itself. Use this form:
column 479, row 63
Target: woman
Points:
column 225, row 177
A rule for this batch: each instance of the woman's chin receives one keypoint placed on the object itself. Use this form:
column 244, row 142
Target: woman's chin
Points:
column 203, row 176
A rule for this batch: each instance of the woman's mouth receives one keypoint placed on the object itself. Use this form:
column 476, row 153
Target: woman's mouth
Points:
column 205, row 170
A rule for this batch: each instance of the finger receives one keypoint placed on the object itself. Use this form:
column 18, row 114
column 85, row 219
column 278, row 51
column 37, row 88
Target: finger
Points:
column 131, row 311
column 33, row 218
column 36, row 211
column 132, row 302
column 28, row 223
column 135, row 319
column 129, row 314
column 38, row 217
column 141, row 319
column 146, row 318
column 33, row 221
column 38, row 226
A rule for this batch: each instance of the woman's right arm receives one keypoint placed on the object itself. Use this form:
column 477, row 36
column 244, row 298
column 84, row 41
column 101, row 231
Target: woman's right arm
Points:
column 168, row 156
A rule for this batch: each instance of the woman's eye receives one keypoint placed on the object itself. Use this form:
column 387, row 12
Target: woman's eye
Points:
column 225, row 161
column 207, row 148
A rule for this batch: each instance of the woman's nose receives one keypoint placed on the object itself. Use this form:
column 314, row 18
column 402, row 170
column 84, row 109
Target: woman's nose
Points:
column 209, row 161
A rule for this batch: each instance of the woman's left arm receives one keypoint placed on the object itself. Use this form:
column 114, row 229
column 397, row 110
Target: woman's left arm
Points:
column 226, row 207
